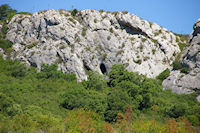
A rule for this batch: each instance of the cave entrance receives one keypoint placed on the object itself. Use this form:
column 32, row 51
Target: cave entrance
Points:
column 103, row 68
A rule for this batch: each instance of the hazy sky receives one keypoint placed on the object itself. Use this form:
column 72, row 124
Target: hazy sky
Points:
column 175, row 15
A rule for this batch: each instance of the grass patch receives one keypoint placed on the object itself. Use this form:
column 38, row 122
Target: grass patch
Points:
column 182, row 46
column 33, row 45
column 83, row 33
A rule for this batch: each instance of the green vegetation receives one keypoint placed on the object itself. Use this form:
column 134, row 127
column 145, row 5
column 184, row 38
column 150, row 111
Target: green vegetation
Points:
column 83, row 33
column 51, row 101
column 74, row 12
column 153, row 51
column 178, row 66
column 101, row 10
column 163, row 75
column 105, row 56
column 158, row 33
column 108, row 38
column 125, row 12
column 111, row 30
column 141, row 48
column 144, row 39
column 95, row 20
column 183, row 38
column 6, row 12
column 32, row 45
column 5, row 45
column 182, row 46
column 138, row 61
column 150, row 24
column 72, row 20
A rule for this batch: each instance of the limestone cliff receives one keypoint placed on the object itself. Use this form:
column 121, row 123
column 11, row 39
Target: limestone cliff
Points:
column 187, row 83
column 91, row 40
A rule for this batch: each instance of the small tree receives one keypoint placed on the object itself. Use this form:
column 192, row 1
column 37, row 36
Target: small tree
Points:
column 74, row 12
column 6, row 11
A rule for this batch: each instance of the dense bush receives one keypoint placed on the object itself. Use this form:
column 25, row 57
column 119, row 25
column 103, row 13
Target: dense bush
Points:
column 95, row 81
column 50, row 71
column 177, row 110
column 117, row 102
column 81, row 98
column 50, row 101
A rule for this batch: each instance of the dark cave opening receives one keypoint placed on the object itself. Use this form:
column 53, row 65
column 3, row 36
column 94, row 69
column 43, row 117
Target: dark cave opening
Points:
column 103, row 68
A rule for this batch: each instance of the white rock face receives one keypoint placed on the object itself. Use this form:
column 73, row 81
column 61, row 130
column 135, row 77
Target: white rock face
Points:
column 92, row 40
column 187, row 83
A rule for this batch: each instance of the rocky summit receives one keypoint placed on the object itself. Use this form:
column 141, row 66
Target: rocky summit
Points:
column 79, row 41
column 190, row 59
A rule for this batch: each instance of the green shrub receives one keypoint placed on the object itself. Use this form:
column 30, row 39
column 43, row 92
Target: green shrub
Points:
column 18, row 70
column 141, row 48
column 74, row 12
column 177, row 110
column 153, row 51
column 158, row 33
column 72, row 20
column 95, row 81
column 83, row 33
column 50, row 71
column 176, row 65
column 163, row 75
column 117, row 102
column 5, row 103
column 185, row 70
column 138, row 61
column 108, row 38
column 129, row 87
column 6, row 11
column 144, row 39
column 182, row 46
column 101, row 10
column 82, row 98
column 95, row 20
column 111, row 30
column 5, row 44
column 125, row 12
column 194, row 26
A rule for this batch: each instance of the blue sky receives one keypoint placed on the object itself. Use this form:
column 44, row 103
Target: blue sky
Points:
column 175, row 15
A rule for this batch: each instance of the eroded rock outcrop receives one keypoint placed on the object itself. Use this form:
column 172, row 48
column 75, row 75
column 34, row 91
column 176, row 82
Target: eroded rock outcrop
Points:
column 187, row 83
column 91, row 40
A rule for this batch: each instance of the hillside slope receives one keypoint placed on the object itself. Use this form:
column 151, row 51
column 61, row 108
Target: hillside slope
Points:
column 79, row 41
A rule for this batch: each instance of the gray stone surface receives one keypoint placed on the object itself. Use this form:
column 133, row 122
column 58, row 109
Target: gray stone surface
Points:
column 91, row 39
column 187, row 83
column 198, row 98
